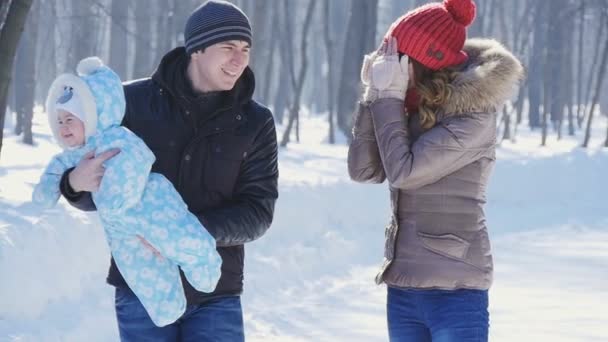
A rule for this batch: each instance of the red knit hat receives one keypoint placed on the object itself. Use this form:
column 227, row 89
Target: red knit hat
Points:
column 434, row 34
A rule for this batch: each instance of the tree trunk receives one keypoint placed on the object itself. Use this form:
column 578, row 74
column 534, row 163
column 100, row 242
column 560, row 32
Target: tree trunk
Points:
column 4, row 5
column 83, row 31
column 144, row 51
column 476, row 28
column 46, row 60
column 580, row 76
column 9, row 38
column 262, row 43
column 270, row 65
column 593, row 68
column 557, row 62
column 285, row 87
column 299, row 82
column 535, row 75
column 550, row 59
column 501, row 12
column 507, row 119
column 18, row 85
column 568, row 89
column 11, row 115
column 520, row 23
column 164, row 26
column 598, row 88
column 118, row 38
column 330, row 81
column 26, row 75
column 283, row 91
column 360, row 39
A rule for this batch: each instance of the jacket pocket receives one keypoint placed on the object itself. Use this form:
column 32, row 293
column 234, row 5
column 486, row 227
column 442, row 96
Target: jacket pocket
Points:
column 448, row 245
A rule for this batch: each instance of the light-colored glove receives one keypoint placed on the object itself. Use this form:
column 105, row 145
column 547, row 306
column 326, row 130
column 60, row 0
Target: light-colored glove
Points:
column 383, row 75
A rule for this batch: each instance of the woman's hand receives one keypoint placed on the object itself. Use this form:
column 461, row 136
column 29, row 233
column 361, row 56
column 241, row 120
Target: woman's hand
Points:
column 383, row 75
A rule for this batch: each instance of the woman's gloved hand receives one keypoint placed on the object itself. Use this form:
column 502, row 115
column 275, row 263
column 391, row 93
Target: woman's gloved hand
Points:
column 383, row 75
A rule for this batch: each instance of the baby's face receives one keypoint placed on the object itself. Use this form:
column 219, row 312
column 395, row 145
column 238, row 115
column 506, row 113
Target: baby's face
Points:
column 71, row 129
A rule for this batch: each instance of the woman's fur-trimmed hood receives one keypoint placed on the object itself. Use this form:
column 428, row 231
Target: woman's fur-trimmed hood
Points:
column 486, row 80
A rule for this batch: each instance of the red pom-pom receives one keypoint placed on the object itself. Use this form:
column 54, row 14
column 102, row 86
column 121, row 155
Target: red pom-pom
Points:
column 463, row 11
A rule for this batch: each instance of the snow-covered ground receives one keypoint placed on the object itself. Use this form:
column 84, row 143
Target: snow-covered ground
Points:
column 310, row 278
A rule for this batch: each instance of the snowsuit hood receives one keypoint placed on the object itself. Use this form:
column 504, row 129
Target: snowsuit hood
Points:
column 100, row 92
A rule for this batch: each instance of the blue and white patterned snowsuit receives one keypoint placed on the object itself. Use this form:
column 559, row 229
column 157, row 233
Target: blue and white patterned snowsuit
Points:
column 132, row 201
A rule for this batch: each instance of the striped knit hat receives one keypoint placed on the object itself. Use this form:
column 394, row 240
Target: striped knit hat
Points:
column 434, row 34
column 213, row 22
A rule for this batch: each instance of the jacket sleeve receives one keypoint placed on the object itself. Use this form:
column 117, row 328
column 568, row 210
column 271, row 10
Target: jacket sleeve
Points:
column 80, row 200
column 364, row 164
column 46, row 192
column 250, row 214
column 126, row 174
column 438, row 152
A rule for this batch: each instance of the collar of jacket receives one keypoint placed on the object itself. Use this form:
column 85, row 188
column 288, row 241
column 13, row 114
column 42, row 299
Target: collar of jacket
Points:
column 171, row 76
column 485, row 81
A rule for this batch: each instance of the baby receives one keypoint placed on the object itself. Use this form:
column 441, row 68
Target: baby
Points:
column 147, row 224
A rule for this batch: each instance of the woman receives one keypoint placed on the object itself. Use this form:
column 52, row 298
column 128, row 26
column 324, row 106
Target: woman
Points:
column 437, row 151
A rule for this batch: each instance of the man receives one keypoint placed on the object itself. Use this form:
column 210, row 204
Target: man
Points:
column 218, row 147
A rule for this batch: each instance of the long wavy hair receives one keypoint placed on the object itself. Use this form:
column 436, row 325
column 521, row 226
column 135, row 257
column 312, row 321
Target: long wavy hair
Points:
column 434, row 90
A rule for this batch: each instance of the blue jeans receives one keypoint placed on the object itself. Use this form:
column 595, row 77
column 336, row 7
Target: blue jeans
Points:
column 217, row 320
column 437, row 315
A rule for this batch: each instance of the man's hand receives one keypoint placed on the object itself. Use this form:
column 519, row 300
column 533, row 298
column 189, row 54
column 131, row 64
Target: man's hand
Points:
column 89, row 171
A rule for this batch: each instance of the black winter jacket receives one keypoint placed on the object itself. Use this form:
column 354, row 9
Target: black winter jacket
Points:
column 219, row 151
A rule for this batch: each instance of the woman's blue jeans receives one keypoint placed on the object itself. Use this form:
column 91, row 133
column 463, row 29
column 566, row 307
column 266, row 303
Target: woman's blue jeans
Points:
column 437, row 315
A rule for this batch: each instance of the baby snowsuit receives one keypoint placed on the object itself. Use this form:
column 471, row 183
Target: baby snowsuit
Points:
column 132, row 201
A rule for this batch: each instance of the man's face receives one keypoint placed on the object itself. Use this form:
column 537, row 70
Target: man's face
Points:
column 220, row 65
column 71, row 129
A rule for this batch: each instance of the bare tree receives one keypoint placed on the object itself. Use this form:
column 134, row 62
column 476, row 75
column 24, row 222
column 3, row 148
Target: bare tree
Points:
column 594, row 66
column 330, row 65
column 26, row 76
column 4, row 10
column 262, row 42
column 547, row 79
column 118, row 37
column 9, row 38
column 298, row 83
column 84, row 42
column 46, row 60
column 144, row 52
column 501, row 13
column 598, row 84
column 521, row 38
column 535, row 71
column 568, row 93
column 360, row 39
column 556, row 64
column 265, row 94
column 165, row 17
column 581, row 50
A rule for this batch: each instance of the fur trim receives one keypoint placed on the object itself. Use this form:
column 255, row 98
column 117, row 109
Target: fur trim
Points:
column 88, row 103
column 88, row 65
column 487, row 80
